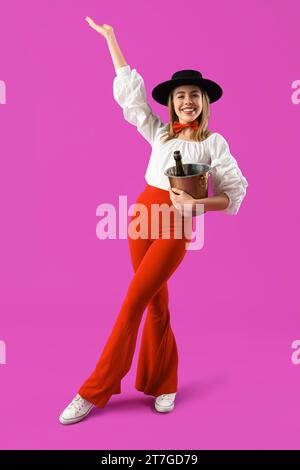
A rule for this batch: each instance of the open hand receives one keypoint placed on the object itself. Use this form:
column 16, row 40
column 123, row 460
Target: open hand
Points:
column 105, row 29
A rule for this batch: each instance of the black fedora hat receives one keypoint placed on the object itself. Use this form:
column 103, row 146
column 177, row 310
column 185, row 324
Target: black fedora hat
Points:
column 161, row 92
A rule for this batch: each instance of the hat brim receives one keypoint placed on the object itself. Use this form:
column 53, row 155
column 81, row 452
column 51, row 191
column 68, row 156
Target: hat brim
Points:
column 161, row 92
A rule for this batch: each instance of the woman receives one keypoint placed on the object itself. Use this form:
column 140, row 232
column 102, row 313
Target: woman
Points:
column 155, row 258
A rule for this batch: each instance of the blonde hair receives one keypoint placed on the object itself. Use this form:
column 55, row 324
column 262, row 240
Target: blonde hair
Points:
column 199, row 134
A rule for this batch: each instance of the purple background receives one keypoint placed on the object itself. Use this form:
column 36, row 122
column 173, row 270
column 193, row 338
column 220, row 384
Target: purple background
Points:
column 62, row 134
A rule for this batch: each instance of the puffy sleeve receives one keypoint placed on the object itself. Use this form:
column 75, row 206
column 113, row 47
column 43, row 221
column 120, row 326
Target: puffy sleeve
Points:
column 129, row 92
column 226, row 175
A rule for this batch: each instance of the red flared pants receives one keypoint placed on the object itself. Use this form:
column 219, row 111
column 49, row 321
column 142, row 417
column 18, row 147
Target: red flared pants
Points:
column 154, row 261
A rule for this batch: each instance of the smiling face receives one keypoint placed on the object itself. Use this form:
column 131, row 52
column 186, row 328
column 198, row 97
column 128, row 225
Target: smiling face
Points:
column 187, row 101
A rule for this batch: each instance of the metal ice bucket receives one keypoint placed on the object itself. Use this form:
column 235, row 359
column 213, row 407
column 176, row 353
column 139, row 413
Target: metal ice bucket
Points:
column 194, row 183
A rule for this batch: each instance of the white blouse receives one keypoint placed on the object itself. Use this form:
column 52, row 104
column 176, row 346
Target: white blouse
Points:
column 226, row 177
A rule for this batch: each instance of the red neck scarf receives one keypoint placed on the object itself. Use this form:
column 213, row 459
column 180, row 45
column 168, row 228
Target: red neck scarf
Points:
column 177, row 126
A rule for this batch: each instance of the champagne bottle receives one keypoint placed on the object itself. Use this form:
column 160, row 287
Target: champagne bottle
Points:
column 179, row 168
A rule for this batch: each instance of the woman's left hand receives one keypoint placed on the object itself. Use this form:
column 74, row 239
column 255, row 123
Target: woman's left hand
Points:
column 179, row 198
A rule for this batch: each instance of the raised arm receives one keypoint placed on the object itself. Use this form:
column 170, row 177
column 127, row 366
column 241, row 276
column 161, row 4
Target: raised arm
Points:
column 107, row 32
column 128, row 88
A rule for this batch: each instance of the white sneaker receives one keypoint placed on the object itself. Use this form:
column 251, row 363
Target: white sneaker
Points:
column 165, row 402
column 77, row 410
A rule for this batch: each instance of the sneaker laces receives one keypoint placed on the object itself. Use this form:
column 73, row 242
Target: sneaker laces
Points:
column 170, row 396
column 77, row 403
